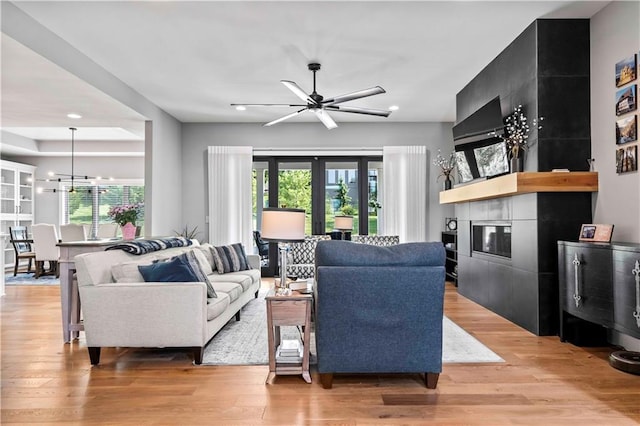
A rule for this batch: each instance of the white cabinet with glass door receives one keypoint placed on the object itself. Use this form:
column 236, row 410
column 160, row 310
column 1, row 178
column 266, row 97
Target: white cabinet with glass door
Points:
column 16, row 202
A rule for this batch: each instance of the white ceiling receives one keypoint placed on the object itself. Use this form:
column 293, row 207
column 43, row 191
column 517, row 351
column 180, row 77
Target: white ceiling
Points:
column 193, row 59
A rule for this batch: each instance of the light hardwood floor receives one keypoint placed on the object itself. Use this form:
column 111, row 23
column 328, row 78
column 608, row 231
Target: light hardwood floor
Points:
column 543, row 381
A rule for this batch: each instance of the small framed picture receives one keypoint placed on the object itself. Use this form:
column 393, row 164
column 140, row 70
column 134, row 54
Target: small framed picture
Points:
column 626, row 100
column 596, row 232
column 627, row 130
column 627, row 159
column 626, row 70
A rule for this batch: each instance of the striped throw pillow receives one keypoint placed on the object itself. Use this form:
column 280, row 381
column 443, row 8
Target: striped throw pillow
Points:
column 230, row 258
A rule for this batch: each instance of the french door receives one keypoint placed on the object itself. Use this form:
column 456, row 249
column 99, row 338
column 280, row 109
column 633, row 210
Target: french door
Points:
column 324, row 187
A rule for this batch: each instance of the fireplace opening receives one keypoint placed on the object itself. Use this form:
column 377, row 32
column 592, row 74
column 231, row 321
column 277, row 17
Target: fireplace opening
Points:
column 492, row 238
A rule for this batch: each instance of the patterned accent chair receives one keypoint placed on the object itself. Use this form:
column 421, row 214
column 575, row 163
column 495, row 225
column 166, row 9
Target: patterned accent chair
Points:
column 301, row 257
column 376, row 240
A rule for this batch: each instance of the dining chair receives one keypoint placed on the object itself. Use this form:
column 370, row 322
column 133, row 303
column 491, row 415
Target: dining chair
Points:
column 45, row 240
column 72, row 232
column 107, row 230
column 22, row 247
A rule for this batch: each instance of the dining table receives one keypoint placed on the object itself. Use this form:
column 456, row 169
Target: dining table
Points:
column 69, row 295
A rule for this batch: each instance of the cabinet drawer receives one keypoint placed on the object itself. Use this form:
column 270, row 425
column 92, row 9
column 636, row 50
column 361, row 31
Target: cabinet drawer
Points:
column 624, row 291
column 289, row 312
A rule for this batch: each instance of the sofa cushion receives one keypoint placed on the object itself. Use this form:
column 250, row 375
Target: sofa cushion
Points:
column 230, row 258
column 233, row 290
column 191, row 259
column 174, row 270
column 205, row 266
column 217, row 305
column 127, row 272
column 206, row 251
column 244, row 278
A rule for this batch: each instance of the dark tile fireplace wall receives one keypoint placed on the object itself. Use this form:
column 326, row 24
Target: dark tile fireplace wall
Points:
column 546, row 70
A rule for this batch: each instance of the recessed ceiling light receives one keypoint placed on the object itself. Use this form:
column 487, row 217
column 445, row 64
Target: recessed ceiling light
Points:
column 394, row 107
column 74, row 115
column 241, row 108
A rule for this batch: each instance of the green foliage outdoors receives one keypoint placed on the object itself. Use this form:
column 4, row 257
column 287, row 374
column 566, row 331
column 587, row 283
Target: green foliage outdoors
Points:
column 294, row 189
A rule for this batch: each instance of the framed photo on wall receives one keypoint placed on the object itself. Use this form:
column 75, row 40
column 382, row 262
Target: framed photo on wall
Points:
column 627, row 130
column 626, row 70
column 596, row 232
column 626, row 100
column 627, row 159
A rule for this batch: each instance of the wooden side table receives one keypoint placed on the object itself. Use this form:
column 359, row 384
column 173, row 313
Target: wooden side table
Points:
column 290, row 310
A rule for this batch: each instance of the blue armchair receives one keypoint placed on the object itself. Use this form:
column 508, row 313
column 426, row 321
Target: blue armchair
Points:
column 379, row 309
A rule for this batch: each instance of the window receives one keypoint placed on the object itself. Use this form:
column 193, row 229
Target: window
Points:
column 89, row 205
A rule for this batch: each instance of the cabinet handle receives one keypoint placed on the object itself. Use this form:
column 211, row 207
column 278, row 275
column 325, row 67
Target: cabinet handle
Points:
column 636, row 271
column 576, row 270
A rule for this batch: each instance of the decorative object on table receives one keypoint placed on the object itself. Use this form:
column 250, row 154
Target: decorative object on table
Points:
column 596, row 232
column 343, row 224
column 451, row 224
column 284, row 226
column 627, row 159
column 626, row 70
column 626, row 100
column 627, row 130
column 126, row 216
column 516, row 137
column 446, row 168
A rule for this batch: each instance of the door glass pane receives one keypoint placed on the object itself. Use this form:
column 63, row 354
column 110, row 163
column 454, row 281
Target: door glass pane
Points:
column 294, row 188
column 374, row 196
column 7, row 192
column 26, row 185
column 341, row 193
column 260, row 200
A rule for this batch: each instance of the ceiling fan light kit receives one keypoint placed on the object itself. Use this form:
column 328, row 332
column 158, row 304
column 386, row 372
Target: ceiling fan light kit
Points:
column 320, row 106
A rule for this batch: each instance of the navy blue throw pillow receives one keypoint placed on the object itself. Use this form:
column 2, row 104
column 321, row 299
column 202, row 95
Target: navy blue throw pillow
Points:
column 174, row 270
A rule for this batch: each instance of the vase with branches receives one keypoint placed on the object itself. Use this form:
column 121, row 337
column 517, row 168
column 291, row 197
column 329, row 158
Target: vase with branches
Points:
column 516, row 136
column 447, row 165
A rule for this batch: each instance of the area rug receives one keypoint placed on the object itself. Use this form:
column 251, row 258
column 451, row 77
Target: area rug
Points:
column 244, row 342
column 29, row 279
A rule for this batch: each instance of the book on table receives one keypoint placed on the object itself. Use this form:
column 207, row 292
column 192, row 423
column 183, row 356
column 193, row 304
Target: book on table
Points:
column 289, row 351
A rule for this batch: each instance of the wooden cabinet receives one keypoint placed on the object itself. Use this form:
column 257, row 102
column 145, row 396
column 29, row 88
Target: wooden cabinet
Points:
column 599, row 284
column 16, row 200
column 450, row 241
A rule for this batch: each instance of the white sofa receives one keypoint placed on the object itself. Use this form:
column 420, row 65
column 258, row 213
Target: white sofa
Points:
column 156, row 314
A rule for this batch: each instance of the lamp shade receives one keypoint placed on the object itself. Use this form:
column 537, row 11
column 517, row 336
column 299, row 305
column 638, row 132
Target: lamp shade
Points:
column 343, row 223
column 283, row 224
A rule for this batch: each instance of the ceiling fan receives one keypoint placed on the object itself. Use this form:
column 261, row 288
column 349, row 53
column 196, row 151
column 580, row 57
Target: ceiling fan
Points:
column 317, row 104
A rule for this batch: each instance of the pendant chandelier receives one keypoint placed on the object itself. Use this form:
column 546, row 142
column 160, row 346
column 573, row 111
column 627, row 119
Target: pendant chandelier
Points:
column 71, row 178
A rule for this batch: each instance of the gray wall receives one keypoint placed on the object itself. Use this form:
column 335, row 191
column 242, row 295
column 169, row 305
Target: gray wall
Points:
column 163, row 173
column 615, row 35
column 197, row 137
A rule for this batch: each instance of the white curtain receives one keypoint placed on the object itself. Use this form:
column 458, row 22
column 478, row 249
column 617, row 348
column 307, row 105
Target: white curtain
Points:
column 404, row 204
column 230, row 205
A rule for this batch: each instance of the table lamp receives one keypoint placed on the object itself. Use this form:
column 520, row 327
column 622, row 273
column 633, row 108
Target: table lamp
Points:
column 343, row 224
column 283, row 226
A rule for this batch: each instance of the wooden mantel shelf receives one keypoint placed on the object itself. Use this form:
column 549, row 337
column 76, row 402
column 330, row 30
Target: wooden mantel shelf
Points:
column 522, row 183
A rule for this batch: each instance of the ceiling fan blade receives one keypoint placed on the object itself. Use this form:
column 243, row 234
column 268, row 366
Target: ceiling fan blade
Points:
column 286, row 117
column 298, row 91
column 358, row 110
column 354, row 95
column 325, row 118
column 268, row 105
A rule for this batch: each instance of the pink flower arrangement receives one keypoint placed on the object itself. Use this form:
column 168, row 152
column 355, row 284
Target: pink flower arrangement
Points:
column 125, row 213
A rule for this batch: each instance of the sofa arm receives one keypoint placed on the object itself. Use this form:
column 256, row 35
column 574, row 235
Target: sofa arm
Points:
column 145, row 314
column 254, row 261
